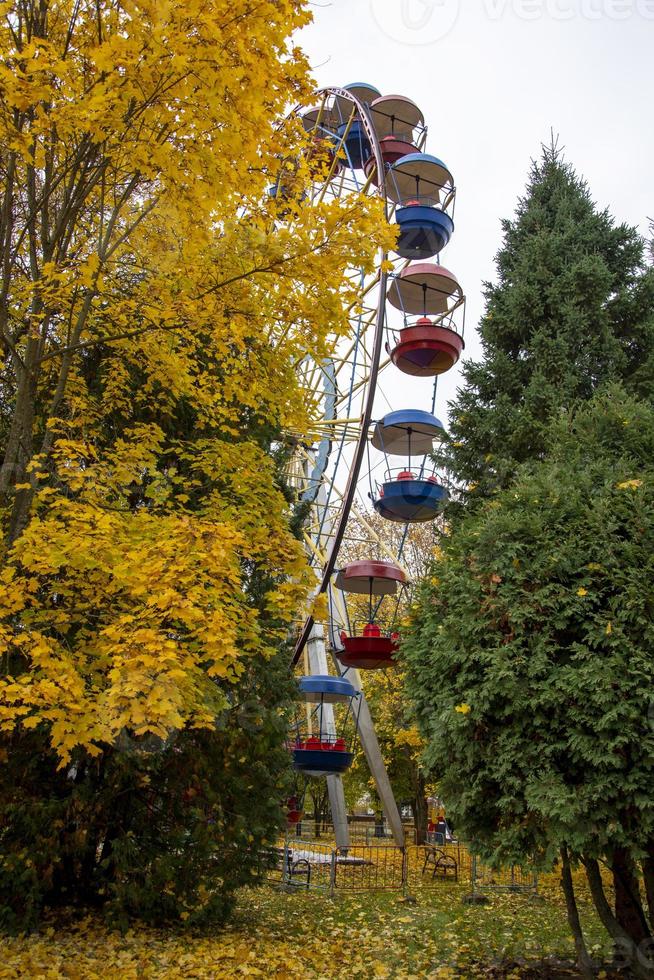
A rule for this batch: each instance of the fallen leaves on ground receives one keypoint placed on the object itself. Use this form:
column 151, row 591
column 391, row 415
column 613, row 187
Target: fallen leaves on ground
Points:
column 309, row 935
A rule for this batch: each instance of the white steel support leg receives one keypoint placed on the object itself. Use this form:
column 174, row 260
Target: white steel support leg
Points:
column 339, row 810
column 376, row 765
column 318, row 665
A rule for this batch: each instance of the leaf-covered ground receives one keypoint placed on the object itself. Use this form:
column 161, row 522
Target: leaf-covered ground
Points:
column 310, row 935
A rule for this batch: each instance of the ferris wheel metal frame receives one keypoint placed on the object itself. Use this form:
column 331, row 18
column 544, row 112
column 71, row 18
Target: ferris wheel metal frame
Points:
column 328, row 472
column 359, row 113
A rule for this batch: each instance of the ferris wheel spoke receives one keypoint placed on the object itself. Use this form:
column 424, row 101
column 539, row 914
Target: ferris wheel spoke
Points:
column 317, row 552
column 362, row 382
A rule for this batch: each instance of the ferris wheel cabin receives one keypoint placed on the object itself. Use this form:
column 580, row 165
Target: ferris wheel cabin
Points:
column 411, row 500
column 432, row 302
column 407, row 497
column 423, row 190
column 321, row 122
column 351, row 130
column 369, row 649
column 399, row 126
column 321, row 746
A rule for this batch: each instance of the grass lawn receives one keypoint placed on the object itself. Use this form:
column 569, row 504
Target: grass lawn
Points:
column 310, row 935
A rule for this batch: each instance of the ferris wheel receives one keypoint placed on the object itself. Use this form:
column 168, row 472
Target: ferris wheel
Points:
column 366, row 452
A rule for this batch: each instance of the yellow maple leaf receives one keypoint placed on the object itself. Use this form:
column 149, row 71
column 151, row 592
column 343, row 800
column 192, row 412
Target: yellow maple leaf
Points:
column 629, row 485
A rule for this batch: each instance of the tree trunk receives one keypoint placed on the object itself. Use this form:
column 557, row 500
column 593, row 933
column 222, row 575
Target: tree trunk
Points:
column 584, row 962
column 419, row 801
column 628, row 905
column 19, row 446
column 623, row 941
column 420, row 814
column 320, row 801
column 648, row 878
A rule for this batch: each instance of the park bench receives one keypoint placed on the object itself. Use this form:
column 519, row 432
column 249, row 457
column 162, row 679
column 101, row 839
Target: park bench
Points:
column 442, row 865
column 292, row 868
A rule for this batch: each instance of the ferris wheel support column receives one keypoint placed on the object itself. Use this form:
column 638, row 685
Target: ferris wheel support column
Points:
column 318, row 665
column 376, row 765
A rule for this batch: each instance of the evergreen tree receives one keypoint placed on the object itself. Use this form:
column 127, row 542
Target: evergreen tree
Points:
column 530, row 660
column 571, row 310
column 529, row 656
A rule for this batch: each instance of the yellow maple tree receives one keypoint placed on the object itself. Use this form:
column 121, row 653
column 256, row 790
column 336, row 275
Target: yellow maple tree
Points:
column 153, row 311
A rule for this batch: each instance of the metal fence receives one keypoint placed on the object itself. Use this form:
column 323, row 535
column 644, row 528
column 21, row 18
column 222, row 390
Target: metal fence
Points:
column 363, row 832
column 365, row 868
column 511, row 879
column 320, row 865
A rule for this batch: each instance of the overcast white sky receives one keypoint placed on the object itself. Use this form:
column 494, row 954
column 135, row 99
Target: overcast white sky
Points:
column 493, row 77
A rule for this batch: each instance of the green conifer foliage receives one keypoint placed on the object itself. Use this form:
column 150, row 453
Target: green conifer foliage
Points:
column 530, row 650
column 570, row 311
column 529, row 661
column 529, row 658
